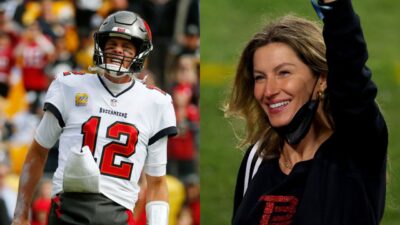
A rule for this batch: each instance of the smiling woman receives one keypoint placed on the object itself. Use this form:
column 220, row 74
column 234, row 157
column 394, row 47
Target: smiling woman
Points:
column 318, row 140
column 282, row 82
column 281, row 69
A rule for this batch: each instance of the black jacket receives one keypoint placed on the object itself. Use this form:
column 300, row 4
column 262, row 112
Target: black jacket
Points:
column 345, row 182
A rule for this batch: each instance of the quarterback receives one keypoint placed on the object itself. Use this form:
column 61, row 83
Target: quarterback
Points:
column 110, row 126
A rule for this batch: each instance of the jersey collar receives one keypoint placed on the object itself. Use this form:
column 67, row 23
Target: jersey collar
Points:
column 110, row 92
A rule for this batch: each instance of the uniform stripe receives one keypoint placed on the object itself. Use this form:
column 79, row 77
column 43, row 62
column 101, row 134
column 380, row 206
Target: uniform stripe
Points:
column 120, row 93
column 130, row 220
column 170, row 131
column 53, row 109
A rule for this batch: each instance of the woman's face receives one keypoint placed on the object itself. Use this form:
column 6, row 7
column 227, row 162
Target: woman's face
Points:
column 282, row 82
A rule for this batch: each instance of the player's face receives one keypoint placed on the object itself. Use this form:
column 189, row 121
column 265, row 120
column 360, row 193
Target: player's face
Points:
column 282, row 82
column 118, row 49
column 4, row 41
column 32, row 32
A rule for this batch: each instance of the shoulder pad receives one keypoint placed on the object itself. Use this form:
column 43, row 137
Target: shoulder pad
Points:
column 151, row 87
column 74, row 73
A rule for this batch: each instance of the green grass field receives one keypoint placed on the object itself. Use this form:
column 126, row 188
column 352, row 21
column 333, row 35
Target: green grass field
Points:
column 226, row 25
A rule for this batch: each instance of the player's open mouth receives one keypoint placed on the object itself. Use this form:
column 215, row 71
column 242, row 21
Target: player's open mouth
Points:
column 116, row 61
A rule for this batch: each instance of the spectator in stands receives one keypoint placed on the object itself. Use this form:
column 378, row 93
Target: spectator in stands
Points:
column 34, row 52
column 6, row 130
column 8, row 195
column 86, row 14
column 4, row 220
column 192, row 185
column 24, row 122
column 181, row 148
column 185, row 72
column 6, row 63
column 40, row 211
column 8, row 26
column 165, row 17
column 189, row 44
column 42, row 203
column 47, row 20
column 64, row 60
column 84, row 55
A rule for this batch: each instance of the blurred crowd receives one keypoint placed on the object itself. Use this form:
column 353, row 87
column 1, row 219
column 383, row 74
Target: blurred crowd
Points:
column 41, row 39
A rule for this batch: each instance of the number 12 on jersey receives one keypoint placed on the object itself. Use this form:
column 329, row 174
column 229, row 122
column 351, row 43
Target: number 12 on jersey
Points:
column 107, row 163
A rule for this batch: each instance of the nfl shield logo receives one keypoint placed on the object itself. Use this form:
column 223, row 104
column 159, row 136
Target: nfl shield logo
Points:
column 114, row 102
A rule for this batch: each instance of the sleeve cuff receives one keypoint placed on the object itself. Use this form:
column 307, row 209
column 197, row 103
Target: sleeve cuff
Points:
column 319, row 8
column 169, row 131
column 155, row 170
column 337, row 12
column 42, row 142
column 53, row 109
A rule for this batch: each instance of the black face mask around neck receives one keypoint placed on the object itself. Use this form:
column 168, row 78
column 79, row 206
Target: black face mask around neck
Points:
column 295, row 131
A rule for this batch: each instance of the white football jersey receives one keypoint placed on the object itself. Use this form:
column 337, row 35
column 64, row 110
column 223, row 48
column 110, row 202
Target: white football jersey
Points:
column 117, row 128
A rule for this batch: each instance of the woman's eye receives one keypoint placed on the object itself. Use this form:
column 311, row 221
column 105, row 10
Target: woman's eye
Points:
column 284, row 73
column 258, row 77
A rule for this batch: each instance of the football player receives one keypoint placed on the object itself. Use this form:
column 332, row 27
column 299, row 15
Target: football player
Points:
column 112, row 121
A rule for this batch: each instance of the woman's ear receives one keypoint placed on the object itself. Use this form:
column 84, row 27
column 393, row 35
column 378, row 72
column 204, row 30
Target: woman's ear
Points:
column 322, row 81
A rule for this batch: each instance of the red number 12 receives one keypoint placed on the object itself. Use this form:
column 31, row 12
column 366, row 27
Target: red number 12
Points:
column 114, row 148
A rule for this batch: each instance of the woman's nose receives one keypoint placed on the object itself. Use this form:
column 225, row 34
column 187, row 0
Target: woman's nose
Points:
column 271, row 88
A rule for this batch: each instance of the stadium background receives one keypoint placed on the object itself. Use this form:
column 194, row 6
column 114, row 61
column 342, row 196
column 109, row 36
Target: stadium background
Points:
column 50, row 37
column 226, row 27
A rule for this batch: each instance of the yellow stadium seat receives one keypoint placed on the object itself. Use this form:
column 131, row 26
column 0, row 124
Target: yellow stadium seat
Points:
column 17, row 157
column 16, row 100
